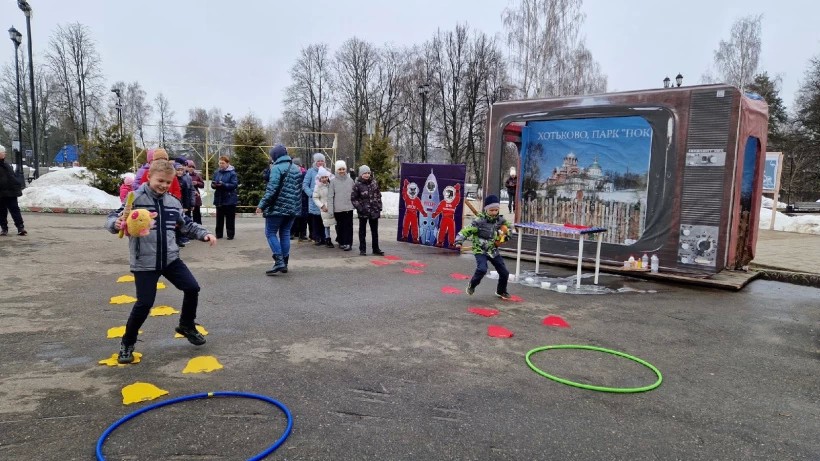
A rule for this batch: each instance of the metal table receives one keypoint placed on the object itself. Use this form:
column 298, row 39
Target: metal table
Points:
column 546, row 227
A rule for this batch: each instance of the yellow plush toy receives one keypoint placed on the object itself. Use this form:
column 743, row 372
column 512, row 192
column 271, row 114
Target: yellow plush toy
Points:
column 139, row 222
column 503, row 235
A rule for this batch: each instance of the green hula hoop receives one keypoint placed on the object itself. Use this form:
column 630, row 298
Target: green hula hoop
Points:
column 620, row 390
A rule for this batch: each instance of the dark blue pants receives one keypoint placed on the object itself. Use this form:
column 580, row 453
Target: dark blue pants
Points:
column 481, row 271
column 146, row 282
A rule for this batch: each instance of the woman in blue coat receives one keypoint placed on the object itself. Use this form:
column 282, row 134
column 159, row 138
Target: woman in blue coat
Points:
column 280, row 205
column 224, row 185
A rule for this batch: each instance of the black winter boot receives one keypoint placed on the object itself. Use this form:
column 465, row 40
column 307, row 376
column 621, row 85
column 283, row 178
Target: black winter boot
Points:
column 285, row 270
column 279, row 264
column 329, row 243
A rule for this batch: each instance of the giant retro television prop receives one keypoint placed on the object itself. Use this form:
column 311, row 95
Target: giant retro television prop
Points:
column 673, row 172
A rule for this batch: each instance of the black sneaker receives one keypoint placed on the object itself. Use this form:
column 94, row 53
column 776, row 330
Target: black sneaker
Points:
column 4, row 233
column 363, row 253
column 22, row 233
column 503, row 295
column 126, row 354
column 191, row 334
column 470, row 289
column 378, row 252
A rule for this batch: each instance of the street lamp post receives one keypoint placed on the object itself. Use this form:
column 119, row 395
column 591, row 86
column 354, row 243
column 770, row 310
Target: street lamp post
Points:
column 26, row 9
column 118, row 105
column 17, row 38
column 423, row 90
column 667, row 82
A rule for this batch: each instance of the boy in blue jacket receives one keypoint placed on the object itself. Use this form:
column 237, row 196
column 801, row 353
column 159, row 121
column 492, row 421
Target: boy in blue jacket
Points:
column 157, row 254
column 483, row 232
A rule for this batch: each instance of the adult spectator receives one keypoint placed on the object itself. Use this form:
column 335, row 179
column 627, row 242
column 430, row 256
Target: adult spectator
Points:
column 280, row 205
column 299, row 229
column 198, row 183
column 511, row 184
column 315, row 224
column 10, row 189
column 226, row 198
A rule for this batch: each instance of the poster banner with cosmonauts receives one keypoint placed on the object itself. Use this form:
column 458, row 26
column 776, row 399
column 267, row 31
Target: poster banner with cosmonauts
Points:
column 431, row 205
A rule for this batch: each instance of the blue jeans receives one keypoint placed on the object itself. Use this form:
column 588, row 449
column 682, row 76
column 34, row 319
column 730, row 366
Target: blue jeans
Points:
column 277, row 231
column 481, row 271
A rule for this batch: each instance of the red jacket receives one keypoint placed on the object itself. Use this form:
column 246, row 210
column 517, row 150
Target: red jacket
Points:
column 174, row 190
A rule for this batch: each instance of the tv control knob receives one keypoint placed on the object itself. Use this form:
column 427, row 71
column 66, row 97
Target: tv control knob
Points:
column 713, row 159
column 685, row 246
column 686, row 232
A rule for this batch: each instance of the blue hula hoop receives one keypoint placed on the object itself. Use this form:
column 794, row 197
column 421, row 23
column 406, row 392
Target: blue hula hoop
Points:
column 204, row 395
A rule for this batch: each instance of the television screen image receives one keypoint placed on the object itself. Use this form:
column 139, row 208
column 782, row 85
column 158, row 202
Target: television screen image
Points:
column 601, row 161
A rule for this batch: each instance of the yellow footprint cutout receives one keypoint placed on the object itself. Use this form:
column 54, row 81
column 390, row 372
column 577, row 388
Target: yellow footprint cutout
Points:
column 141, row 392
column 160, row 286
column 158, row 311
column 125, row 278
column 112, row 362
column 118, row 332
column 199, row 328
column 122, row 299
column 203, row 364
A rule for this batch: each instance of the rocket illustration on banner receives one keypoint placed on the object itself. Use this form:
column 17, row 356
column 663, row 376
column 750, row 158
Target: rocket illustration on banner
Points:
column 429, row 200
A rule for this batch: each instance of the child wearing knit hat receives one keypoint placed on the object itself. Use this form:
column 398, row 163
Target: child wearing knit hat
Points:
column 320, row 197
column 486, row 229
column 126, row 186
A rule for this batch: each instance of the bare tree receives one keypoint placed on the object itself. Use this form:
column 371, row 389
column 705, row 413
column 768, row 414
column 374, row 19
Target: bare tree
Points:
column 737, row 59
column 387, row 91
column 485, row 82
column 73, row 59
column 47, row 114
column 168, row 135
column 308, row 98
column 355, row 66
column 136, row 111
column 451, row 51
column 546, row 49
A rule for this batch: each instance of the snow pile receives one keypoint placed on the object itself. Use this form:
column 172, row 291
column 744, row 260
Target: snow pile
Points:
column 66, row 188
column 390, row 204
column 64, row 177
column 806, row 224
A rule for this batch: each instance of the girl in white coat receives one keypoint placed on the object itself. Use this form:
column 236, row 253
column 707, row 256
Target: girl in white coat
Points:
column 320, row 198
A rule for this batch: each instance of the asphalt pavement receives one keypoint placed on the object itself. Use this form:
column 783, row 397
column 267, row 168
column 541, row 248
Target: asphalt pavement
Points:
column 378, row 363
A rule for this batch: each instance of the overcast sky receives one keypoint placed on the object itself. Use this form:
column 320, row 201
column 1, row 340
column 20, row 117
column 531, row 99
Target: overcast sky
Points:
column 236, row 55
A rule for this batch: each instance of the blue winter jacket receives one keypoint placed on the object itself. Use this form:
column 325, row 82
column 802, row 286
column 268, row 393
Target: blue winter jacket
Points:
column 225, row 194
column 289, row 202
column 308, row 185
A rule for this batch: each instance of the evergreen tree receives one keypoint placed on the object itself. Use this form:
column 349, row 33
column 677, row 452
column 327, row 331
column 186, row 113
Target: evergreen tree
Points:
column 250, row 159
column 802, row 165
column 768, row 89
column 108, row 156
column 378, row 154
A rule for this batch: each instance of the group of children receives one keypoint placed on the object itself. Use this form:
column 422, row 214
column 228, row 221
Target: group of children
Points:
column 157, row 254
column 334, row 197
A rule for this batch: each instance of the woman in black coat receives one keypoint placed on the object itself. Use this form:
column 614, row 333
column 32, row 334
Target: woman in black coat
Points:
column 10, row 189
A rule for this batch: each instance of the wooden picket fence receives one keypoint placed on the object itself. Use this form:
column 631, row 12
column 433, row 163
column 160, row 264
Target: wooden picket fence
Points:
column 624, row 221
